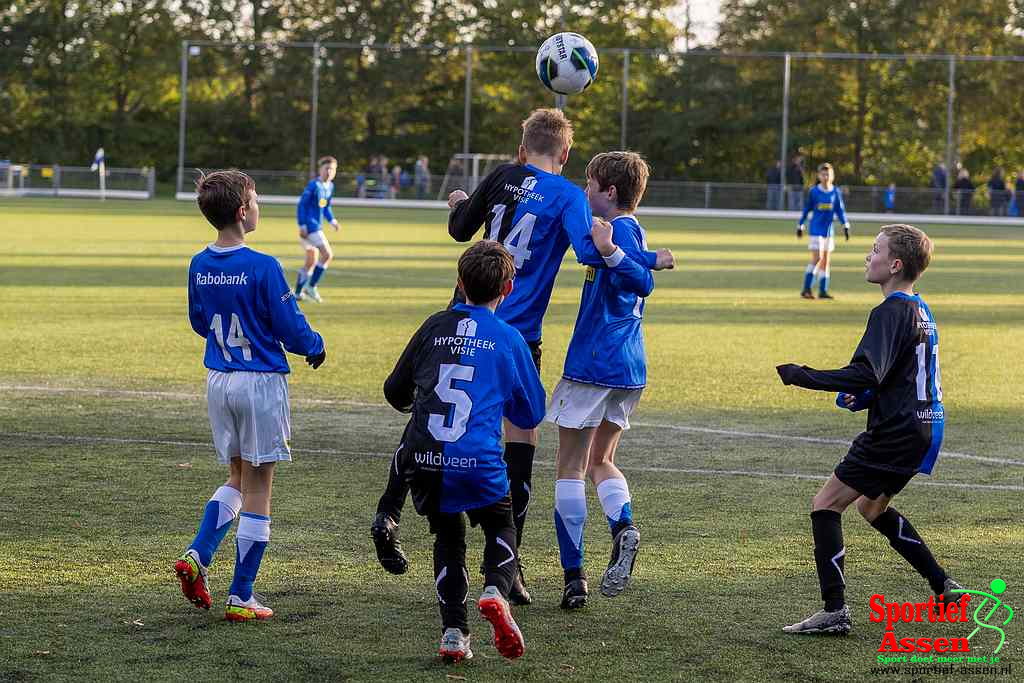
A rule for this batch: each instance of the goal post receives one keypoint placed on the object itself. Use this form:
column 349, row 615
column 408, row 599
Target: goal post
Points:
column 465, row 171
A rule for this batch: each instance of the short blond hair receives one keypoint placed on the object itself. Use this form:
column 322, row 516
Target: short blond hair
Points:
column 911, row 246
column 627, row 171
column 547, row 132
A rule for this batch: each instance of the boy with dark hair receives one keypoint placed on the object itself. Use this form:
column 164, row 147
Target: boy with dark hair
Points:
column 461, row 373
column 826, row 201
column 240, row 303
column 605, row 373
column 314, row 206
column 536, row 214
column 895, row 374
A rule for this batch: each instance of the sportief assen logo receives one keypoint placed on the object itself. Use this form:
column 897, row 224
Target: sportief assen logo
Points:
column 984, row 618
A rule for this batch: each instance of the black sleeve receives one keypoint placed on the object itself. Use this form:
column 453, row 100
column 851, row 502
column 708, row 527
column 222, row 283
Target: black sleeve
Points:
column 468, row 215
column 400, row 386
column 874, row 358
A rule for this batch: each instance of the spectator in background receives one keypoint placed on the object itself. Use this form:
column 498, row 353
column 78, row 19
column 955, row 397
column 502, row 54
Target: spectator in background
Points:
column 964, row 190
column 395, row 181
column 939, row 183
column 1018, row 195
column 774, row 180
column 997, row 198
column 795, row 181
column 890, row 198
column 422, row 178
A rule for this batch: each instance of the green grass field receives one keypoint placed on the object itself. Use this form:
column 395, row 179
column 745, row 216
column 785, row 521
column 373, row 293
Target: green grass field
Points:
column 106, row 462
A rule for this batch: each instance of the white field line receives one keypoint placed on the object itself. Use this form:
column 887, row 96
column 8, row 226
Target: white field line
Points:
column 545, row 465
column 360, row 404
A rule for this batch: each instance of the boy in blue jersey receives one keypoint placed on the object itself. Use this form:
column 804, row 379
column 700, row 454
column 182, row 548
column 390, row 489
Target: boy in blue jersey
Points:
column 826, row 201
column 314, row 207
column 537, row 215
column 240, row 303
column 461, row 373
column 604, row 375
column 894, row 373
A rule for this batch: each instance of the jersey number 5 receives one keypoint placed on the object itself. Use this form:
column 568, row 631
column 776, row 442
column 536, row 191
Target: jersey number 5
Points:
column 446, row 376
column 517, row 241
column 236, row 338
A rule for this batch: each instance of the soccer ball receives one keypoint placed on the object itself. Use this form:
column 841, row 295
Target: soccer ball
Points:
column 567, row 63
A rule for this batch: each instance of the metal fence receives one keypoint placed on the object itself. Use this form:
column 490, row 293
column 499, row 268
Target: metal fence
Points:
column 55, row 180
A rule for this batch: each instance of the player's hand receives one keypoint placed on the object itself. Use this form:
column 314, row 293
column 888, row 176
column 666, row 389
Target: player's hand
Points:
column 334, row 224
column 601, row 233
column 664, row 260
column 303, row 233
column 787, row 372
column 848, row 400
column 456, row 198
column 846, row 232
column 799, row 231
column 317, row 359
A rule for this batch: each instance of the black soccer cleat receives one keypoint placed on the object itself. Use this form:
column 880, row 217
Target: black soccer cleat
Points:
column 517, row 593
column 575, row 594
column 825, row 295
column 807, row 294
column 384, row 532
column 620, row 566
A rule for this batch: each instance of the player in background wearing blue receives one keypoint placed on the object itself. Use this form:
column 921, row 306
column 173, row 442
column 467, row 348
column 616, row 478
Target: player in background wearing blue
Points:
column 314, row 207
column 826, row 201
column 240, row 303
column 605, row 372
column 537, row 215
column 894, row 373
column 461, row 373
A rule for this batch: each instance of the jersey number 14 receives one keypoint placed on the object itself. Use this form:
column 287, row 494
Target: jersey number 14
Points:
column 235, row 339
column 517, row 241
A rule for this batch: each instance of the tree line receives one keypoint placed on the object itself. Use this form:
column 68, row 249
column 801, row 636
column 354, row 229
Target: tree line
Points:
column 76, row 76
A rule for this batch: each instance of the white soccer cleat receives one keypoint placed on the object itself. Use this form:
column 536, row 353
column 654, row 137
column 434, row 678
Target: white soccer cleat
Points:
column 837, row 623
column 312, row 294
column 455, row 646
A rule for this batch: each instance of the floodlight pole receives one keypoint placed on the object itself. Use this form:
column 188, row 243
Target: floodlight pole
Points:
column 785, row 127
column 949, row 133
column 625, row 98
column 467, row 115
column 314, row 107
column 181, row 115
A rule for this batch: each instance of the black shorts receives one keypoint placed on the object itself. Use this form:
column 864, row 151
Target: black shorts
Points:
column 535, row 352
column 870, row 482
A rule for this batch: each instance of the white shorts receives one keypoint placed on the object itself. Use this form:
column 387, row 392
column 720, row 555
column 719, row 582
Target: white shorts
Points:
column 313, row 240
column 249, row 415
column 577, row 405
column 817, row 243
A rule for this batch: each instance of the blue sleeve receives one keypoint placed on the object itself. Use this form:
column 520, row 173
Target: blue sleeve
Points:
column 287, row 323
column 861, row 401
column 807, row 206
column 629, row 274
column 195, row 309
column 840, row 207
column 327, row 209
column 576, row 220
column 525, row 406
column 302, row 213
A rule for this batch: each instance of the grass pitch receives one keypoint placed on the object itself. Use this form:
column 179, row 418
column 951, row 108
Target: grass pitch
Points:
column 105, row 459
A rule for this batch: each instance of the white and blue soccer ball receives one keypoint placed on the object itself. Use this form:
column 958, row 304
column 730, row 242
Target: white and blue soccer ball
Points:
column 567, row 63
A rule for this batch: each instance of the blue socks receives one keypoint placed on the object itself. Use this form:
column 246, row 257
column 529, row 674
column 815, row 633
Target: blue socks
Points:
column 824, row 282
column 300, row 280
column 809, row 274
column 615, row 500
column 318, row 272
column 250, row 542
column 220, row 512
column 570, row 518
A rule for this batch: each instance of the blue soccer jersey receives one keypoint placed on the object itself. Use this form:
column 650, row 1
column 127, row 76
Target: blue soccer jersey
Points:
column 239, row 302
column 827, row 206
column 315, row 204
column 461, row 373
column 537, row 215
column 607, row 346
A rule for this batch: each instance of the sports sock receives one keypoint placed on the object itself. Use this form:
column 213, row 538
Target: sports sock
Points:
column 300, row 280
column 220, row 512
column 570, row 518
column 250, row 542
column 393, row 500
column 519, row 459
column 824, row 280
column 318, row 272
column 904, row 539
column 827, row 527
column 614, row 496
column 809, row 274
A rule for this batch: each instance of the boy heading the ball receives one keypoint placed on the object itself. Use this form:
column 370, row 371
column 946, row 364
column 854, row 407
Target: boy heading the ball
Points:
column 240, row 303
column 462, row 372
column 536, row 214
column 894, row 373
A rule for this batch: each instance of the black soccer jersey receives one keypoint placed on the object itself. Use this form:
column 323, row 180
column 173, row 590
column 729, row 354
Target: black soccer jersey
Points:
column 462, row 371
column 898, row 361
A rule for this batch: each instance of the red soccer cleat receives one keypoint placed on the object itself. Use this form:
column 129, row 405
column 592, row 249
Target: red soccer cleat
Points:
column 508, row 639
column 192, row 574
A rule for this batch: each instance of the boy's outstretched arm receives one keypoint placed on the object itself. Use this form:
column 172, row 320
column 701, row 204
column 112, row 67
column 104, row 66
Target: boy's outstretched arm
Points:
column 577, row 220
column 400, row 386
column 525, row 407
column 623, row 257
column 468, row 213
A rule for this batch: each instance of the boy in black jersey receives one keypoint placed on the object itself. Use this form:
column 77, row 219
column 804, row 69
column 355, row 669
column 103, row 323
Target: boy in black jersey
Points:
column 894, row 373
